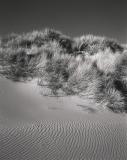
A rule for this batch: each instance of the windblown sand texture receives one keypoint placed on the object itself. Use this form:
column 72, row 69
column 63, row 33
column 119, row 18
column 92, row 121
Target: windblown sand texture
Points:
column 56, row 134
column 64, row 140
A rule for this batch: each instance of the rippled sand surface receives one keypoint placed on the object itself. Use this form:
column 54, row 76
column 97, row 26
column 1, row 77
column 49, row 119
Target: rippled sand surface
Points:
column 33, row 127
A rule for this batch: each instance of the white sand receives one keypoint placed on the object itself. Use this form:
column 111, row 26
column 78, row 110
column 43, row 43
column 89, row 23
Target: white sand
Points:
column 33, row 127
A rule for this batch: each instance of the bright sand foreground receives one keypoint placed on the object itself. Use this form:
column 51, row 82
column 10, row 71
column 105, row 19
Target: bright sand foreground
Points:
column 34, row 127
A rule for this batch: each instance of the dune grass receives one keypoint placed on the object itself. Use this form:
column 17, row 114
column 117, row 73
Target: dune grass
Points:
column 89, row 66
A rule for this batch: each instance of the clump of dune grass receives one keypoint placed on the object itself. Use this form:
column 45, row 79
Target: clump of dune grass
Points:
column 20, row 54
column 91, row 67
column 93, row 44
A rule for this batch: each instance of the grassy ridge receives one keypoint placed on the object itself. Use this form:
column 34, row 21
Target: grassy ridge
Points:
column 89, row 66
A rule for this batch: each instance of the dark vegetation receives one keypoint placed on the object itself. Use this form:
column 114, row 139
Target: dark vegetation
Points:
column 89, row 66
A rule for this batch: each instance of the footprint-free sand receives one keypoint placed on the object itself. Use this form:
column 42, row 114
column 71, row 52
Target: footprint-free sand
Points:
column 35, row 127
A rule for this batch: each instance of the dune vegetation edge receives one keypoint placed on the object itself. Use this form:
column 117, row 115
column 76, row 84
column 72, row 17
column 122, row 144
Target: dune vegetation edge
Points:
column 92, row 67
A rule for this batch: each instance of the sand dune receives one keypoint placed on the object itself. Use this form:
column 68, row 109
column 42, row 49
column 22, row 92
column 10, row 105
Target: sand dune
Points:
column 41, row 128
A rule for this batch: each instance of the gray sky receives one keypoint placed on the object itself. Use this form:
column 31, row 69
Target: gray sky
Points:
column 73, row 18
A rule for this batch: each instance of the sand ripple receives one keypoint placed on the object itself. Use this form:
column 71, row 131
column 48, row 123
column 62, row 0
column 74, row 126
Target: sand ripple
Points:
column 64, row 140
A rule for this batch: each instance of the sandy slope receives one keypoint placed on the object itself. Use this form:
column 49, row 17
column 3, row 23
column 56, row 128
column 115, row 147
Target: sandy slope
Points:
column 41, row 128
